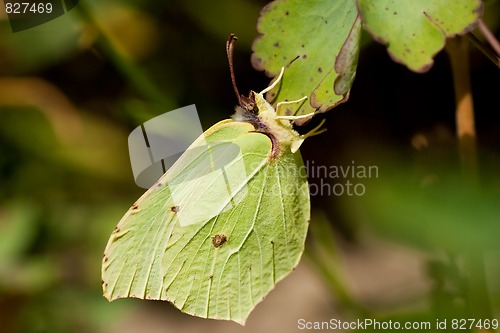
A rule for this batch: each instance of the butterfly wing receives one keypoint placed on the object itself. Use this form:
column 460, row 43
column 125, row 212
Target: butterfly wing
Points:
column 220, row 267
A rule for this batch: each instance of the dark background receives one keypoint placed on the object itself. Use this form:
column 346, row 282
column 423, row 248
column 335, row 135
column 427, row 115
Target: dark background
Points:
column 68, row 100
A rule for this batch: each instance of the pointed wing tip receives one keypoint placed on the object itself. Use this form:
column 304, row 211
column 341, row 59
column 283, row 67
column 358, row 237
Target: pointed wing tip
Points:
column 240, row 321
column 108, row 297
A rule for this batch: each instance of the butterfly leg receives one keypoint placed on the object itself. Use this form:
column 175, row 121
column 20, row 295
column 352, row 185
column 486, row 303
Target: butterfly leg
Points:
column 315, row 131
column 292, row 117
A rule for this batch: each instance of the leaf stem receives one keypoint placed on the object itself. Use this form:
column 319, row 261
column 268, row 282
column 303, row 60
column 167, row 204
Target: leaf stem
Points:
column 495, row 45
column 487, row 51
column 458, row 50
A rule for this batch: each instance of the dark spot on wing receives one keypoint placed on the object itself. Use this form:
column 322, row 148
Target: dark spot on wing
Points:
column 175, row 209
column 218, row 240
column 320, row 70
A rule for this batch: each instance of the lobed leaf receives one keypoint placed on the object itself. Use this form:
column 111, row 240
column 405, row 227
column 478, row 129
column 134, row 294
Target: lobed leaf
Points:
column 318, row 43
column 415, row 31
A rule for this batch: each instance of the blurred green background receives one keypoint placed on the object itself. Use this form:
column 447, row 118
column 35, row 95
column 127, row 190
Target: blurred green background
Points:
column 71, row 90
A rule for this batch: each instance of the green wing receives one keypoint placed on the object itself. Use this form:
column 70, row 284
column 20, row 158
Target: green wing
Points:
column 223, row 266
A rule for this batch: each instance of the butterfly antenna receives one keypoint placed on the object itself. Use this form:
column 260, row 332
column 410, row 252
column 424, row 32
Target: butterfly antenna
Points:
column 229, row 50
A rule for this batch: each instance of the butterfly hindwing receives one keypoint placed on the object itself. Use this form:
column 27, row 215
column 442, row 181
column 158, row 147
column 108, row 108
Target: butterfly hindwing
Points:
column 213, row 255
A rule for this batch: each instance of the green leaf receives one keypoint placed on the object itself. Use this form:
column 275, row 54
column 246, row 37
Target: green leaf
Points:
column 318, row 43
column 415, row 31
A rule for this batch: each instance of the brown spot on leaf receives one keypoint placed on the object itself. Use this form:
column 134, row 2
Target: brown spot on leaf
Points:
column 256, row 61
column 320, row 70
column 304, row 56
column 276, row 44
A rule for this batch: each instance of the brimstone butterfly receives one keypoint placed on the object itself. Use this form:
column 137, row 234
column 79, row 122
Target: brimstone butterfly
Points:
column 210, row 253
